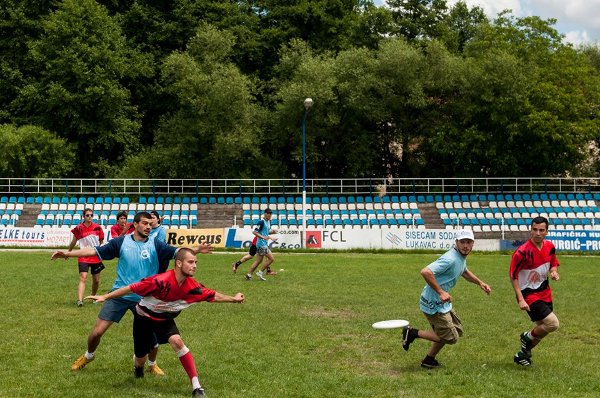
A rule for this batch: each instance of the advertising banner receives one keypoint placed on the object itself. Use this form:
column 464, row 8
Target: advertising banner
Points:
column 195, row 237
column 242, row 238
column 35, row 237
column 585, row 241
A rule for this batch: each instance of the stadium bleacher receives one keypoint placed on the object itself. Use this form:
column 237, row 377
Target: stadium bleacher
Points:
column 486, row 212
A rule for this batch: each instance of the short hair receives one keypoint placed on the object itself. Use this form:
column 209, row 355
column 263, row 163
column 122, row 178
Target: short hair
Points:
column 142, row 214
column 121, row 214
column 181, row 253
column 268, row 211
column 157, row 214
column 87, row 209
column 540, row 220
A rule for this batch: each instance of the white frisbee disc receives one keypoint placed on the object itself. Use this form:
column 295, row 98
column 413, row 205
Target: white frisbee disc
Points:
column 391, row 324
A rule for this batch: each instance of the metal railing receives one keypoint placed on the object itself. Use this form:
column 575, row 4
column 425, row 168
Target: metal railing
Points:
column 332, row 186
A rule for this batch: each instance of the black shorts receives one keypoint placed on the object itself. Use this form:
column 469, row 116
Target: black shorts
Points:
column 252, row 250
column 539, row 310
column 147, row 332
column 96, row 267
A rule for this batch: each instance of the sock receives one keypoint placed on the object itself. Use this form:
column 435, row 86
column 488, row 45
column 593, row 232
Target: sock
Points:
column 195, row 383
column 89, row 355
column 151, row 363
column 413, row 333
column 238, row 263
column 139, row 372
column 187, row 361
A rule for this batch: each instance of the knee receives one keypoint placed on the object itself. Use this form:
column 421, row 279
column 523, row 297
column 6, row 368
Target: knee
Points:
column 551, row 325
column 83, row 277
column 176, row 342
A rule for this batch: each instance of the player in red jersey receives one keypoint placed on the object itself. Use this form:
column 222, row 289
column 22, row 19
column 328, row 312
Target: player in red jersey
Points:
column 122, row 227
column 164, row 297
column 530, row 266
column 88, row 234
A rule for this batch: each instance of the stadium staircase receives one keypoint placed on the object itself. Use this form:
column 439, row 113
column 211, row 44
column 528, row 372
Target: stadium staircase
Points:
column 219, row 215
column 29, row 215
column 431, row 216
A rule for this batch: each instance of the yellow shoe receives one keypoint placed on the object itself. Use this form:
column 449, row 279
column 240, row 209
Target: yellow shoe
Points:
column 155, row 370
column 80, row 363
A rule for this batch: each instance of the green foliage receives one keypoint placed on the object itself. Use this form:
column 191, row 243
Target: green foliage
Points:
column 213, row 88
column 83, row 63
column 33, row 151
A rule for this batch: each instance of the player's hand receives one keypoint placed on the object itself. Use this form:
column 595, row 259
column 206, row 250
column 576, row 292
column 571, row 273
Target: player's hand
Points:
column 445, row 297
column 485, row 287
column 554, row 275
column 58, row 254
column 205, row 248
column 523, row 305
column 96, row 299
column 239, row 298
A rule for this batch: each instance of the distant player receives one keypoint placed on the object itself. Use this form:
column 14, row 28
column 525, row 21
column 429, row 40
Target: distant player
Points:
column 122, row 227
column 158, row 231
column 530, row 266
column 251, row 253
column 87, row 234
column 262, row 231
column 164, row 297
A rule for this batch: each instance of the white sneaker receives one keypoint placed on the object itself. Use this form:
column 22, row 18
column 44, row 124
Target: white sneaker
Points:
column 261, row 276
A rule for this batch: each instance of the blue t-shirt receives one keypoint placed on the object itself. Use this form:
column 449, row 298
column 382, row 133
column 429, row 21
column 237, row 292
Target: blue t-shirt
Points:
column 263, row 227
column 159, row 233
column 446, row 269
column 137, row 260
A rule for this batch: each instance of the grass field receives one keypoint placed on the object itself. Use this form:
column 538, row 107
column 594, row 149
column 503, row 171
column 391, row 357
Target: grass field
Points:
column 304, row 333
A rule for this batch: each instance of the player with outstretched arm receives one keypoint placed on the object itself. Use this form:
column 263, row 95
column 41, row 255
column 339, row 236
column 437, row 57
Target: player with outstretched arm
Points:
column 164, row 297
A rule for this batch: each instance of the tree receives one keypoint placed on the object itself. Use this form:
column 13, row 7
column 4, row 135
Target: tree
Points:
column 83, row 63
column 211, row 133
column 32, row 152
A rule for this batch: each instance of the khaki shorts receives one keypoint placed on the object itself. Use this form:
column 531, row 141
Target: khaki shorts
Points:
column 447, row 326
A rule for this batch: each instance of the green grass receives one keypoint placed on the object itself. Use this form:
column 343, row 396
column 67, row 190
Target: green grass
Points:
column 304, row 333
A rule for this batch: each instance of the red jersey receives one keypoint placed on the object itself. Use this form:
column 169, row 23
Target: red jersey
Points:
column 116, row 230
column 88, row 237
column 163, row 298
column 530, row 266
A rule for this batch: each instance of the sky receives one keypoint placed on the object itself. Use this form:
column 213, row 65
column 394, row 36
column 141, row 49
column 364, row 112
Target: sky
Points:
column 578, row 20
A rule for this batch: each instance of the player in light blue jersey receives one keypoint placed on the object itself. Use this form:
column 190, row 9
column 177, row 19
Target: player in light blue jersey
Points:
column 158, row 231
column 139, row 257
column 262, row 231
column 436, row 302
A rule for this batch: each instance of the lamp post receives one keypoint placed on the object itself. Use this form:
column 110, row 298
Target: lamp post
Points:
column 307, row 105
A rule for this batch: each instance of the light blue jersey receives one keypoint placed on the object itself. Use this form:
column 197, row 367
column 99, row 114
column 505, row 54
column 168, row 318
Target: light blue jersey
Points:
column 263, row 227
column 137, row 260
column 159, row 233
column 446, row 269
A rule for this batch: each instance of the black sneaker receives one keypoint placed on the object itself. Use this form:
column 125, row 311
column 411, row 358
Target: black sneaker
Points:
column 248, row 277
column 198, row 392
column 522, row 359
column 79, row 303
column 526, row 344
column 407, row 337
column 430, row 363
column 138, row 372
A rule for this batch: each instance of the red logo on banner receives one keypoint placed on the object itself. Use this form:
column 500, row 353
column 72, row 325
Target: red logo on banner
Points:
column 313, row 239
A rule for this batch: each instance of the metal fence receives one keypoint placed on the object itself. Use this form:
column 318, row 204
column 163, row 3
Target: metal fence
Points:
column 339, row 186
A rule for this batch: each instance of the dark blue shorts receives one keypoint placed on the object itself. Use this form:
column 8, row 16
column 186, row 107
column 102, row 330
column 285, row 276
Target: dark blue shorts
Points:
column 114, row 309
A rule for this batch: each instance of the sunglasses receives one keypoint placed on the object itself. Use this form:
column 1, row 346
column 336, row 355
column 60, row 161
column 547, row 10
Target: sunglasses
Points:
column 88, row 215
